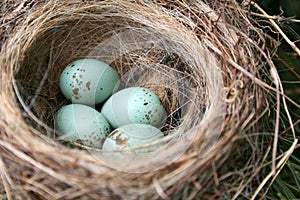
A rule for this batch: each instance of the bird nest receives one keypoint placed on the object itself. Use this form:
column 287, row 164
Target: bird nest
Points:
column 203, row 59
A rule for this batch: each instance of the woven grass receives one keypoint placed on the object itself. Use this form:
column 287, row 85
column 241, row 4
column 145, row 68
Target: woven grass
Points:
column 205, row 60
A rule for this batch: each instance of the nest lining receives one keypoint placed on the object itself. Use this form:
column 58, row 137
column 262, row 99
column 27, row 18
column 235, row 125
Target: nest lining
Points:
column 149, row 44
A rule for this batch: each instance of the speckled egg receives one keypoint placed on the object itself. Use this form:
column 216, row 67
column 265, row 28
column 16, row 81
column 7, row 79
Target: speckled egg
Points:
column 134, row 105
column 132, row 135
column 82, row 124
column 88, row 81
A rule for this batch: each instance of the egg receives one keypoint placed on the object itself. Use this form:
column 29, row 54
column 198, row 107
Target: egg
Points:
column 132, row 135
column 134, row 105
column 82, row 124
column 88, row 81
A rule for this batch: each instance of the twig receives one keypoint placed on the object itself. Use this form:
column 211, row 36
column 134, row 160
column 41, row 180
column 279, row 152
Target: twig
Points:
column 35, row 163
column 5, row 179
column 294, row 47
column 251, row 76
column 159, row 189
column 277, row 18
column 27, row 109
column 287, row 65
column 276, row 81
column 280, row 164
column 289, row 128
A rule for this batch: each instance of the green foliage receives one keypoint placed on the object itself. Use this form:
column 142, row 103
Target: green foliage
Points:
column 287, row 184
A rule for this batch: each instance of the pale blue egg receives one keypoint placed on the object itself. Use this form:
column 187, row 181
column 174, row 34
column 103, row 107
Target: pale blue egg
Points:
column 88, row 81
column 82, row 124
column 133, row 135
column 134, row 105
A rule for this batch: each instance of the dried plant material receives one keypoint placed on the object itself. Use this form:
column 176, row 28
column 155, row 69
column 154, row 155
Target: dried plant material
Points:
column 204, row 59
